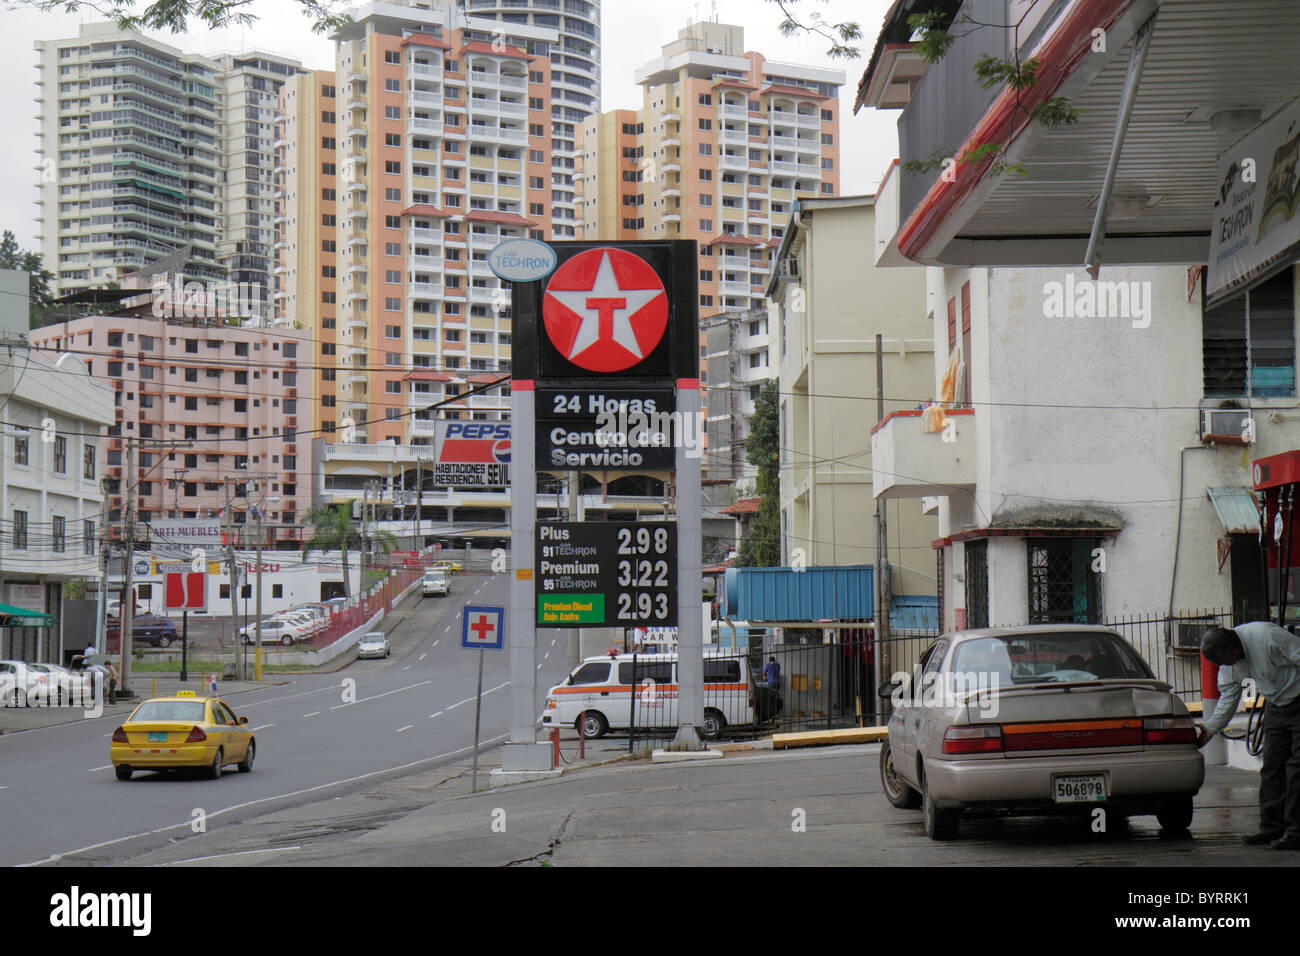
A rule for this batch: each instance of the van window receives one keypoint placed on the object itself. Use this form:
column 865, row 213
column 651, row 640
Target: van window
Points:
column 721, row 672
column 597, row 673
column 661, row 672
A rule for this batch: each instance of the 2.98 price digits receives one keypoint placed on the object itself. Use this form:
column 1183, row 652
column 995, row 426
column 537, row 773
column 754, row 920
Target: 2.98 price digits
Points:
column 641, row 542
column 644, row 607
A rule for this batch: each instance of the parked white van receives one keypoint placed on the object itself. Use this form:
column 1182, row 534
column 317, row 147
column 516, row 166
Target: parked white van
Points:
column 597, row 697
column 435, row 582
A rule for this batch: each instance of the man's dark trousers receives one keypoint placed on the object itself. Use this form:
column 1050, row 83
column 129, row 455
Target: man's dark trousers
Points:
column 1279, row 778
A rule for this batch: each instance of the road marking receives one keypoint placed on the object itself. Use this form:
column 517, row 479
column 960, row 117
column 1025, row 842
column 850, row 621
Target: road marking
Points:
column 398, row 690
column 407, row 667
column 539, row 666
column 97, row 769
column 552, row 642
column 459, row 702
column 314, row 713
column 438, row 714
column 407, row 727
column 498, row 687
column 435, row 643
column 222, row 856
column 263, row 726
column 4, row 787
column 448, row 627
column 271, row 700
column 55, row 857
column 420, row 658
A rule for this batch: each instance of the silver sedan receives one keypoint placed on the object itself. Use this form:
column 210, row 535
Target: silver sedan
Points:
column 1038, row 719
column 374, row 644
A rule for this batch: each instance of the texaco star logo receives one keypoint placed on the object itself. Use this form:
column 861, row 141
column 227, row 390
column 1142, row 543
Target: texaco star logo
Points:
column 605, row 310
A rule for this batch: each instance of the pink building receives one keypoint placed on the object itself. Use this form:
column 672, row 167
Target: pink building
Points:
column 239, row 398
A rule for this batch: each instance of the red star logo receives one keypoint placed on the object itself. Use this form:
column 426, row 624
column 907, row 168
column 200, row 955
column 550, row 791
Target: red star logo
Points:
column 605, row 310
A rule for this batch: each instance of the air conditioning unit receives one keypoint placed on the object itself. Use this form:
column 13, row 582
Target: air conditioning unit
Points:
column 1227, row 426
column 1187, row 636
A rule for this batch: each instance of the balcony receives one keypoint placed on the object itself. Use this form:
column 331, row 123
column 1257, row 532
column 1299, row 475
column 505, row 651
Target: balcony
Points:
column 736, row 112
column 419, row 234
column 430, row 127
column 498, row 134
column 423, row 98
column 433, row 263
column 424, row 290
column 809, row 120
column 941, row 462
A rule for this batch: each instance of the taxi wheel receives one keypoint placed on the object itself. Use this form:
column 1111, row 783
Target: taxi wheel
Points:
column 246, row 765
column 214, row 771
column 939, row 824
column 898, row 793
column 1175, row 814
column 123, row 773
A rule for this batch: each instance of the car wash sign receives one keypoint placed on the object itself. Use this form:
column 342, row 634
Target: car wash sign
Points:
column 472, row 454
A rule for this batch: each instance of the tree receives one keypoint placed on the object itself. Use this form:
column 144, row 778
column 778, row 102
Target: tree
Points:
column 176, row 15
column 39, row 278
column 761, row 546
column 332, row 531
column 840, row 34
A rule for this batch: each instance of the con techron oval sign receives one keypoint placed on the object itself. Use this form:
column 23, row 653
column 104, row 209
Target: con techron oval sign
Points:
column 522, row 260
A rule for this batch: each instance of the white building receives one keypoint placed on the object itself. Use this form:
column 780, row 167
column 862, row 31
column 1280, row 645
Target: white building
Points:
column 51, row 504
column 1074, row 481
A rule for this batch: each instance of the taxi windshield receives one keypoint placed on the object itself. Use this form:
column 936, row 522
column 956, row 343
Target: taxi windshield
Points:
column 184, row 710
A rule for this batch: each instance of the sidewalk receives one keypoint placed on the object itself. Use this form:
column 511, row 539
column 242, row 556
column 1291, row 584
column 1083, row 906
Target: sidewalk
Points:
column 16, row 719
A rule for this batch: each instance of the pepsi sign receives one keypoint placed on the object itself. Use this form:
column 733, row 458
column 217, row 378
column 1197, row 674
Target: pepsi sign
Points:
column 472, row 454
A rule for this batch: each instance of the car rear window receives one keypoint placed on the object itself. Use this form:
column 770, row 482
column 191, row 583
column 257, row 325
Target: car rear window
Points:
column 185, row 710
column 1037, row 658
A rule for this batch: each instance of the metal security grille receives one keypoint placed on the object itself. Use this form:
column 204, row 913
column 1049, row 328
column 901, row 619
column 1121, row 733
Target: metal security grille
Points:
column 977, row 583
column 1063, row 588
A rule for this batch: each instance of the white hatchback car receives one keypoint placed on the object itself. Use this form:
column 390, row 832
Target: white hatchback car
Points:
column 374, row 644
column 274, row 631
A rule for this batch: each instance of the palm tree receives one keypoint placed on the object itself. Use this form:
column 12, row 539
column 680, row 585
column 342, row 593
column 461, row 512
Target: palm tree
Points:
column 333, row 531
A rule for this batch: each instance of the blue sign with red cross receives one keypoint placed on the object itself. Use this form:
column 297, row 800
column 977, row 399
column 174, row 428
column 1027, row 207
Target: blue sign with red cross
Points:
column 483, row 627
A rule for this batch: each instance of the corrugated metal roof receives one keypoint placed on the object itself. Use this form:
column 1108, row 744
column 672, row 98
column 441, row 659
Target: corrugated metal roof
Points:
column 805, row 594
column 1236, row 508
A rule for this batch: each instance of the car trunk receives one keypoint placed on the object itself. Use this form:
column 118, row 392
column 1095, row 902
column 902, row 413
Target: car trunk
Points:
column 1082, row 717
column 137, row 734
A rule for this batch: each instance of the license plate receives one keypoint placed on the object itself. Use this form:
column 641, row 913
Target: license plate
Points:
column 157, row 737
column 1083, row 788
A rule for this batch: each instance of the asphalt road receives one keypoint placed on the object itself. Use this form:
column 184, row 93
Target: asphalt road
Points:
column 61, row 802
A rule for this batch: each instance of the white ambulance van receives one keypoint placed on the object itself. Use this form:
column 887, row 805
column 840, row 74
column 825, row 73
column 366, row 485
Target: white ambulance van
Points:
column 598, row 696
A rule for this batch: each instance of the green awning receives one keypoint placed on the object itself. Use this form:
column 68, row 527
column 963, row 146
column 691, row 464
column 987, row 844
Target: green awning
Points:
column 1236, row 508
column 11, row 616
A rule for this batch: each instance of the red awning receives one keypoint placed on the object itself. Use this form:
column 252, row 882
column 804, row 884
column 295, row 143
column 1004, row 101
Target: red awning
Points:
column 735, row 85
column 424, row 209
column 505, row 218
column 423, row 39
column 793, row 91
column 734, row 241
column 745, row 506
column 478, row 46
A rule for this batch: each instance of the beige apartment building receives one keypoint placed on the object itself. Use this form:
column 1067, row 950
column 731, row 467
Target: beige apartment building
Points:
column 432, row 144
column 828, row 303
column 723, row 144
column 236, row 398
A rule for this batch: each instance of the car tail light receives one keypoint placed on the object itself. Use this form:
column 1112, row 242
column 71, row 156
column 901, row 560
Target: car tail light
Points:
column 119, row 736
column 1169, row 730
column 197, row 736
column 973, row 740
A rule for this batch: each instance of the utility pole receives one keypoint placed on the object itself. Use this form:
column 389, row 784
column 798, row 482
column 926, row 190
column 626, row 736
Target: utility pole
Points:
column 572, row 514
column 128, row 592
column 419, row 503
column 257, row 665
column 361, row 561
column 234, row 579
column 882, row 535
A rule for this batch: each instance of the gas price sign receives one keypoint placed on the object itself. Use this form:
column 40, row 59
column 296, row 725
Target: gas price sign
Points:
column 606, row 574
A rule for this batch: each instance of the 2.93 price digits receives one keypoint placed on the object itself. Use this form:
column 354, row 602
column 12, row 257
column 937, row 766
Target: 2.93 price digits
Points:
column 643, row 607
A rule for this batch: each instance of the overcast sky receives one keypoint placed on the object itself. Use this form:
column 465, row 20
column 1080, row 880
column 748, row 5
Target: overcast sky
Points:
column 633, row 33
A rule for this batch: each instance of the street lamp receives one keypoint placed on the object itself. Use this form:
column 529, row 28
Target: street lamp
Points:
column 258, row 510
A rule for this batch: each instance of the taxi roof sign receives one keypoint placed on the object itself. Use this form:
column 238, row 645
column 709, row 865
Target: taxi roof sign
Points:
column 186, row 693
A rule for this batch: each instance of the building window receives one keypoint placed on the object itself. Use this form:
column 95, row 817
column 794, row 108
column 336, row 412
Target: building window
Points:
column 20, row 450
column 88, row 538
column 60, row 455
column 1063, row 588
column 1249, row 342
column 20, row 530
column 977, row 583
column 60, row 534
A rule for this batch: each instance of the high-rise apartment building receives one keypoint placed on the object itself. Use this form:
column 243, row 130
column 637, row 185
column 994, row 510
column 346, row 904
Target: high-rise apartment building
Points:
column 130, row 157
column 575, row 85
column 722, row 146
column 441, row 147
column 249, row 99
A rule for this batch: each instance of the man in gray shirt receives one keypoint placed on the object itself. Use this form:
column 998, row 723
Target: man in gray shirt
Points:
column 1269, row 655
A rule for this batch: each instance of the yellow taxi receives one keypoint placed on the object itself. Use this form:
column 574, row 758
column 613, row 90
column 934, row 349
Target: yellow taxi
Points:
column 451, row 567
column 169, row 733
